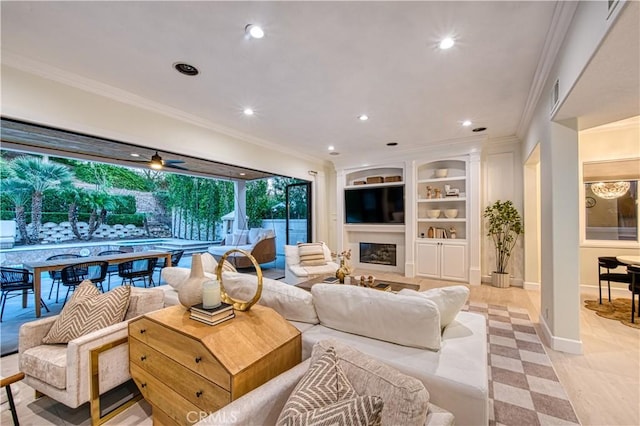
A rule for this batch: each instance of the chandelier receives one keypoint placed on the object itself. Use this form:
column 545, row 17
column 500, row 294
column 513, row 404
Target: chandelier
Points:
column 610, row 190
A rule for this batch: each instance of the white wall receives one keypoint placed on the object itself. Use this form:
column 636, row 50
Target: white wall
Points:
column 35, row 99
column 614, row 141
column 559, row 185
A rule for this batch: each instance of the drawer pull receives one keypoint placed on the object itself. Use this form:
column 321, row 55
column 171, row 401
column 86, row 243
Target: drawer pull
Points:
column 143, row 357
column 142, row 331
column 199, row 394
column 143, row 385
column 198, row 359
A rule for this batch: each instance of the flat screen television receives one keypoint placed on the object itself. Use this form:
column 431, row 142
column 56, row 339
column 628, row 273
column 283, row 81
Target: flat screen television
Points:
column 379, row 205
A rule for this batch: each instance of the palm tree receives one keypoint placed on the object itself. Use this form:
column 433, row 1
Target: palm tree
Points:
column 37, row 176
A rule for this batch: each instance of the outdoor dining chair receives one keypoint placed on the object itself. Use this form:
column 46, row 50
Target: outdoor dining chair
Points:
column 111, row 269
column 73, row 275
column 139, row 269
column 15, row 280
column 176, row 255
column 55, row 275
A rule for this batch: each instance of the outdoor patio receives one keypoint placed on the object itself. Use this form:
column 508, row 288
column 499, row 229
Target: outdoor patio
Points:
column 15, row 315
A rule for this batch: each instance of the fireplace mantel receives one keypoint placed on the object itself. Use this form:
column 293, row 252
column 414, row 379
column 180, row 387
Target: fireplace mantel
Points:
column 375, row 228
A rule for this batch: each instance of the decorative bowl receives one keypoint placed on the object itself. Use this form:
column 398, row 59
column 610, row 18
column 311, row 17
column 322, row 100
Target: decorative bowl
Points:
column 441, row 173
column 451, row 213
column 433, row 214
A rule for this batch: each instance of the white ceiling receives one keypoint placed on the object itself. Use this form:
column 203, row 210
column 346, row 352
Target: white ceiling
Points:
column 320, row 65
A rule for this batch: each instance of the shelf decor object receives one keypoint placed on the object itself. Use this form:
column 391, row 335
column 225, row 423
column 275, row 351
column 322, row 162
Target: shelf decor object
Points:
column 239, row 305
column 504, row 226
column 190, row 292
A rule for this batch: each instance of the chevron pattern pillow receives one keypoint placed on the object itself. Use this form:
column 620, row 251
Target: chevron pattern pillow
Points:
column 88, row 310
column 324, row 396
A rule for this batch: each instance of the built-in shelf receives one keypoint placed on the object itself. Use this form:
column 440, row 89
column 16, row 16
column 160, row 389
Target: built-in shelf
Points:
column 374, row 185
column 442, row 219
column 446, row 179
column 441, row 200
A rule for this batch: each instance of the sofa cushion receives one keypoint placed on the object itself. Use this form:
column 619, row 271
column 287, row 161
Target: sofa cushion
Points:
column 209, row 264
column 88, row 310
column 175, row 275
column 291, row 302
column 405, row 320
column 143, row 300
column 47, row 363
column 325, row 396
column 449, row 300
column 311, row 254
column 406, row 400
column 254, row 235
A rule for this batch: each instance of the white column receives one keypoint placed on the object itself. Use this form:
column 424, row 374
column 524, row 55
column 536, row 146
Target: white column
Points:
column 560, row 271
column 240, row 193
column 474, row 215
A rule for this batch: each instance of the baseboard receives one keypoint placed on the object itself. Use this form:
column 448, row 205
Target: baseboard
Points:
column 530, row 285
column 615, row 291
column 475, row 277
column 559, row 343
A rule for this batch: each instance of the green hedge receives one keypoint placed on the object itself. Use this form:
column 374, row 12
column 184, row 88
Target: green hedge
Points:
column 126, row 219
column 118, row 177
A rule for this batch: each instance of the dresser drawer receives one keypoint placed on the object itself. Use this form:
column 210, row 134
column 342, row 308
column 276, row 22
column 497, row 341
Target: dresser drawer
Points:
column 160, row 395
column 196, row 389
column 180, row 348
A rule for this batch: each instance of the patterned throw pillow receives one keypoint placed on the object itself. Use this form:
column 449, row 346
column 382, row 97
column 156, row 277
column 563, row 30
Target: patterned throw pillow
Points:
column 324, row 396
column 88, row 310
column 311, row 254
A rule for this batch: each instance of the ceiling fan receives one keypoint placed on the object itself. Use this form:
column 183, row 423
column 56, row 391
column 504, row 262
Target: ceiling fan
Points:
column 157, row 163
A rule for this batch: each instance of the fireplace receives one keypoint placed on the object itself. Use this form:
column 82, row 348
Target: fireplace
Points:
column 379, row 254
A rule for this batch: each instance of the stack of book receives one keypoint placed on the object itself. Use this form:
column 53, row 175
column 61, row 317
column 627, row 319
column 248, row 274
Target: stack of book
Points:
column 212, row 316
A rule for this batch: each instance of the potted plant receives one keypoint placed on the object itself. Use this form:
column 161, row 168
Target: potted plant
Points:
column 504, row 226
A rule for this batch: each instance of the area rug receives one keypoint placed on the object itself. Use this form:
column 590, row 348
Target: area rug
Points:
column 523, row 386
column 618, row 309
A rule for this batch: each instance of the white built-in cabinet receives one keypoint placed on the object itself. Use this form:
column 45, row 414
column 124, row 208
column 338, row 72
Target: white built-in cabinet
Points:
column 442, row 252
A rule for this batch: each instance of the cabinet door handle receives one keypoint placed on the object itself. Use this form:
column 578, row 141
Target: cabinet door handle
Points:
column 198, row 394
column 142, row 331
column 143, row 385
column 143, row 357
column 198, row 359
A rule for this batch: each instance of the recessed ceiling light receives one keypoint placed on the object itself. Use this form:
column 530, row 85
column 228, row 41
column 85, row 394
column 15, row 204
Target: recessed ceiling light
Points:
column 466, row 123
column 331, row 148
column 254, row 31
column 363, row 117
column 248, row 111
column 186, row 69
column 479, row 129
column 243, row 174
column 392, row 143
column 446, row 43
column 334, row 153
column 133, row 154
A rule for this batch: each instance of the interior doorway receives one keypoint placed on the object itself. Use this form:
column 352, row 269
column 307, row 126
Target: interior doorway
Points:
column 532, row 264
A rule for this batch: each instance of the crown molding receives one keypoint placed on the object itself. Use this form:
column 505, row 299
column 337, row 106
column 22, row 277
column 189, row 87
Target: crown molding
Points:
column 562, row 16
column 46, row 71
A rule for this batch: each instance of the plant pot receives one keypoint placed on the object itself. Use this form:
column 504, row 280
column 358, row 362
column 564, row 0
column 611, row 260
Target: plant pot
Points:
column 500, row 279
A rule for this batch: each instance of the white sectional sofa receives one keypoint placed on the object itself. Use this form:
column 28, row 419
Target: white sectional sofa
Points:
column 401, row 330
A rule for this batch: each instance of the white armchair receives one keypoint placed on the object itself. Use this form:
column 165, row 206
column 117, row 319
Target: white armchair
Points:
column 64, row 372
column 295, row 273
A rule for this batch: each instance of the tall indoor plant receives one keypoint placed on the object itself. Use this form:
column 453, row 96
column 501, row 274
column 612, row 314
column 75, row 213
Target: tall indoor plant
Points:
column 504, row 226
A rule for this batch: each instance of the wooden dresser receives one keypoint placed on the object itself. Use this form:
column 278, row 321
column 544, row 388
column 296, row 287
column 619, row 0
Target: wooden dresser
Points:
column 186, row 369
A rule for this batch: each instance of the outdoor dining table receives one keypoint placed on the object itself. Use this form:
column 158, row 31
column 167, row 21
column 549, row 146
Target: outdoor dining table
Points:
column 53, row 265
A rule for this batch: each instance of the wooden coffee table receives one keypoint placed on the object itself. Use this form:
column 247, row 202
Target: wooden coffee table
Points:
column 395, row 286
